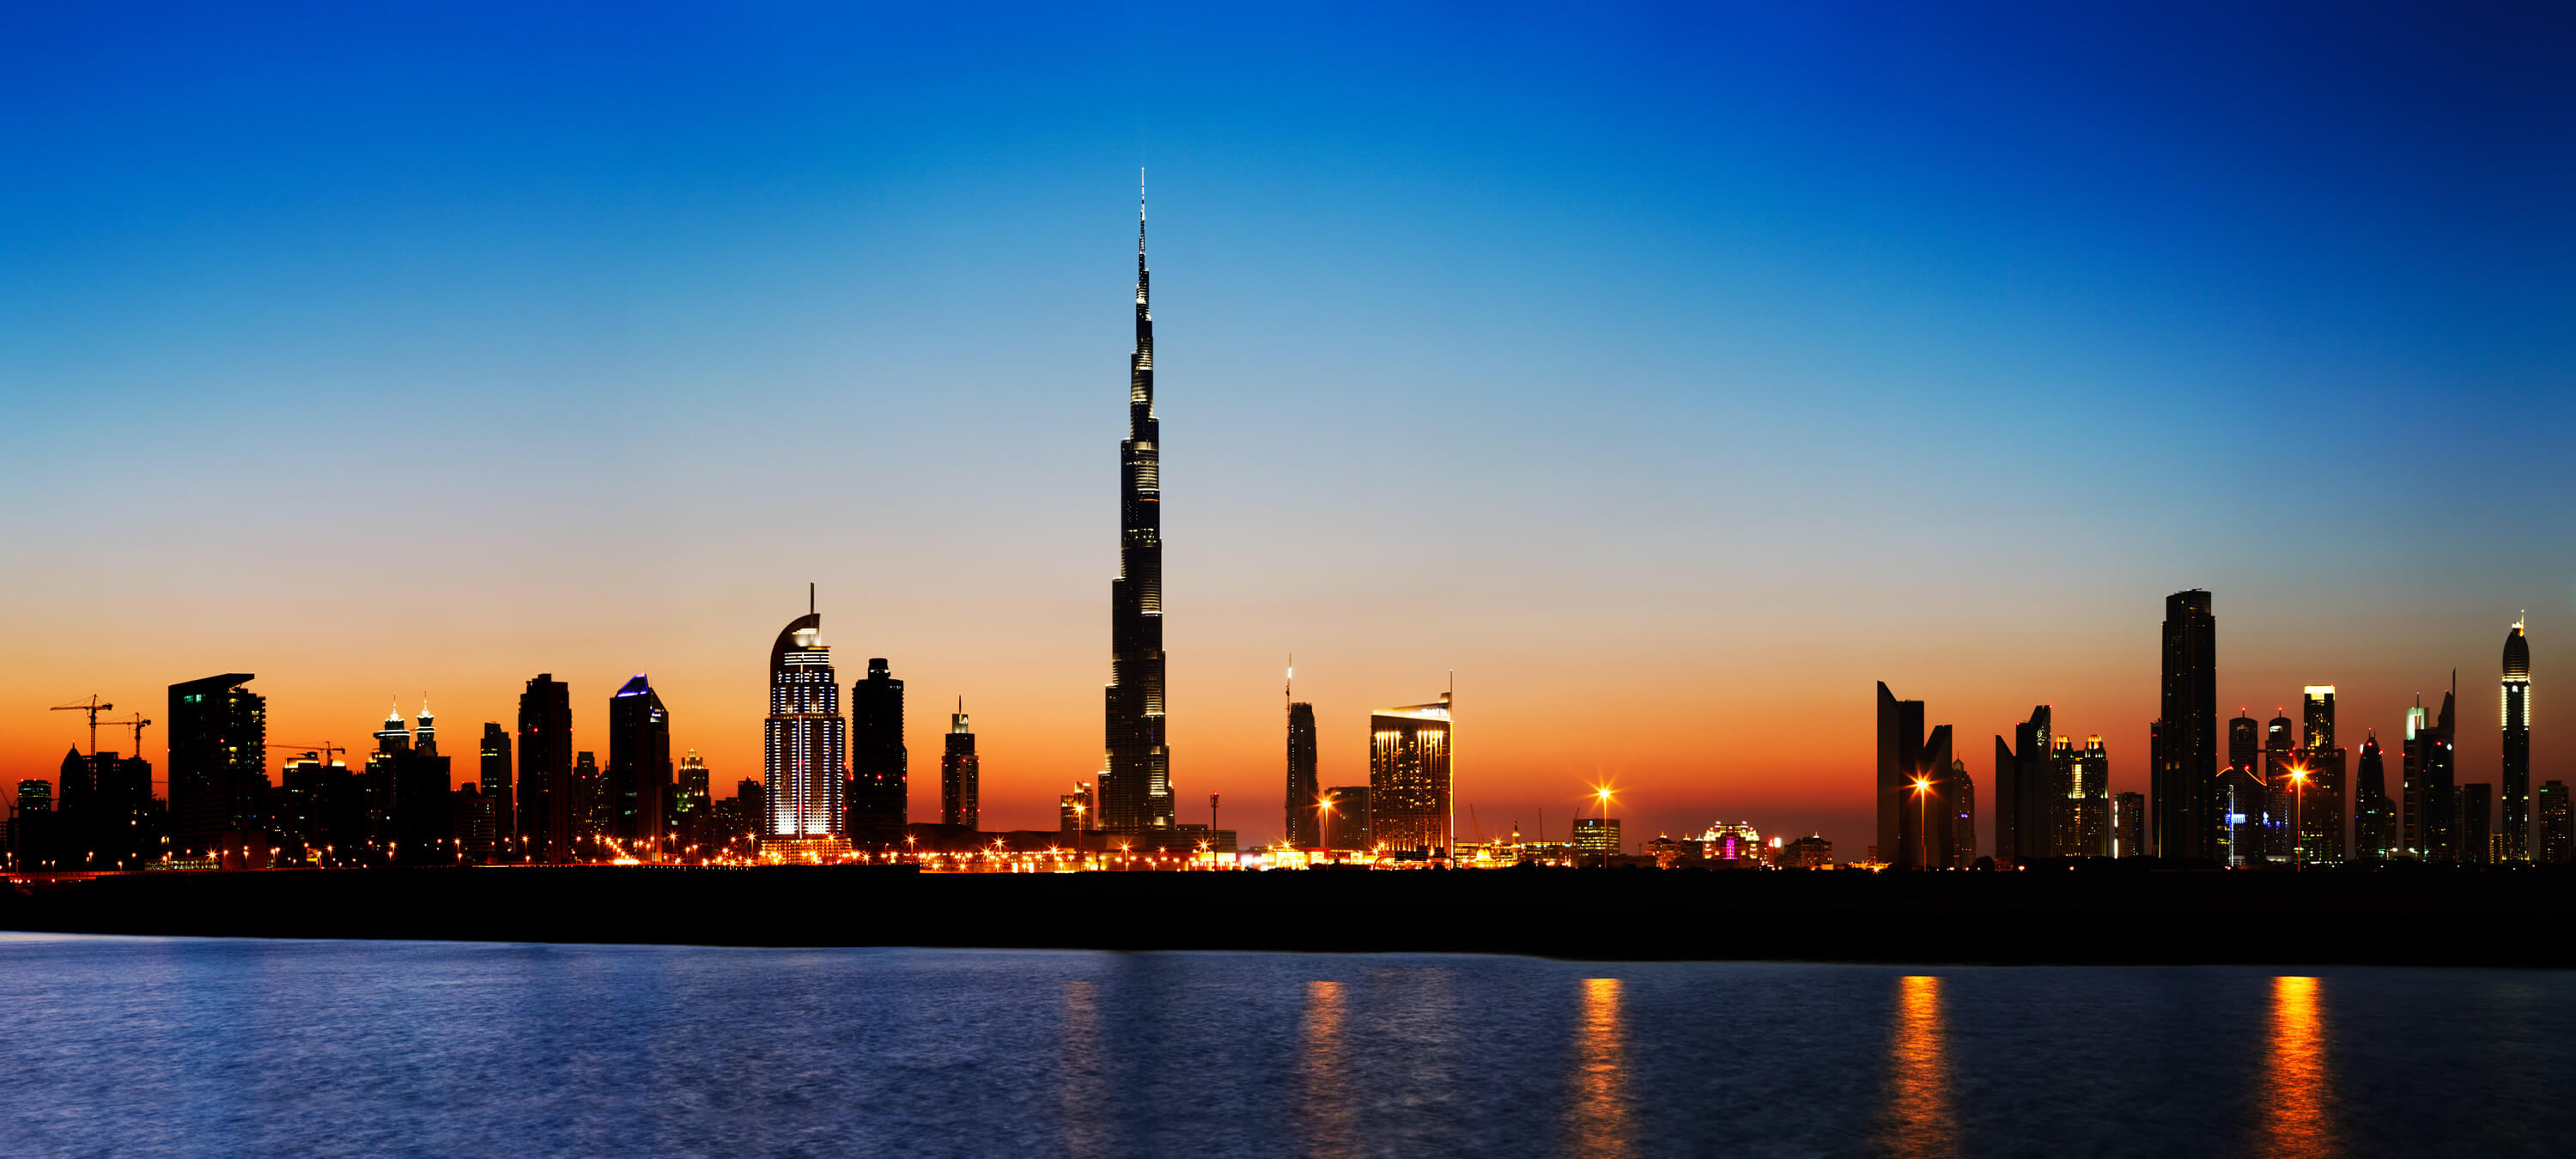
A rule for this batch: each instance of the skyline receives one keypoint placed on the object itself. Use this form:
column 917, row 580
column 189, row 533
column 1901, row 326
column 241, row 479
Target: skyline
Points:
column 365, row 446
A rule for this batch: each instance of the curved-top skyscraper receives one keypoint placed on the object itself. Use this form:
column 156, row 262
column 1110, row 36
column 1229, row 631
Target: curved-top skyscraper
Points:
column 1136, row 785
column 2516, row 697
column 804, row 745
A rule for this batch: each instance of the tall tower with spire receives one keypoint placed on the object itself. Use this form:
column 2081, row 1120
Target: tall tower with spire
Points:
column 1136, row 788
column 2516, row 698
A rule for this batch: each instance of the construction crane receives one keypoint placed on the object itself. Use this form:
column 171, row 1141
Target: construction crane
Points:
column 93, row 706
column 138, row 724
column 326, row 749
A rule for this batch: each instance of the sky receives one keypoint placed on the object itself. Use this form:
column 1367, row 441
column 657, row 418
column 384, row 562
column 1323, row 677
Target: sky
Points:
column 1667, row 375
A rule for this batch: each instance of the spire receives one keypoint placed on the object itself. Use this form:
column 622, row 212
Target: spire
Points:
column 1140, row 217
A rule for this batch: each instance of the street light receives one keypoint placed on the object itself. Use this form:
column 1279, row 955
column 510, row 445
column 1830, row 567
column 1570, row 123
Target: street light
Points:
column 2298, row 819
column 1602, row 794
column 1324, row 810
column 1922, row 833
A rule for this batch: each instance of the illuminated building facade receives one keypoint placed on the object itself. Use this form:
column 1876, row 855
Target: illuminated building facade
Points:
column 1731, row 846
column 692, row 805
column 2374, row 815
column 2080, row 814
column 1409, row 798
column 2430, row 822
column 2321, row 805
column 2183, row 768
column 545, row 769
column 218, row 737
column 2514, row 707
column 804, row 743
column 593, row 804
column 492, row 774
column 1907, row 754
column 1596, row 836
column 2022, row 782
column 2129, row 825
column 959, row 777
column 1303, row 828
column 880, row 765
column 639, row 768
column 2557, row 843
column 1136, row 787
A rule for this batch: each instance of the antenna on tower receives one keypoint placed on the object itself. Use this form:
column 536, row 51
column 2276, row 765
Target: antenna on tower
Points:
column 809, row 597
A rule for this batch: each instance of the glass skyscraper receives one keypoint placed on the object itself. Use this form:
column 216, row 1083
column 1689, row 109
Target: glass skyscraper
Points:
column 804, row 743
column 1136, row 785
column 2514, row 699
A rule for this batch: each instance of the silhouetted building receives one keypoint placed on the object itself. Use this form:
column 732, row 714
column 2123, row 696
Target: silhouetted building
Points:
column 639, row 767
column 692, row 808
column 321, row 815
column 1913, row 768
column 1409, row 777
column 959, row 776
column 2280, row 756
column 2432, row 810
column 1346, row 818
column 2022, row 782
column 1807, row 853
column 1136, row 788
column 2129, row 825
column 1960, row 794
column 741, row 818
column 2184, row 765
column 2322, row 814
column 493, row 775
column 2080, row 814
column 880, row 766
column 31, row 828
column 476, row 832
column 2242, row 804
column 1596, row 836
column 545, row 769
column 805, row 741
column 2514, row 699
column 2374, row 815
column 1302, row 830
column 1072, row 815
column 218, row 734
column 2477, row 810
column 593, row 804
column 2557, row 844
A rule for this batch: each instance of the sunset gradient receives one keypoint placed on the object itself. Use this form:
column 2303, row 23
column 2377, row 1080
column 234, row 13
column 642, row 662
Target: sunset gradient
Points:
column 1668, row 378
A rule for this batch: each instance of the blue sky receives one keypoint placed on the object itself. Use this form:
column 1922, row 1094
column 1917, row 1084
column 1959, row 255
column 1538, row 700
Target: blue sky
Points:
column 1724, row 351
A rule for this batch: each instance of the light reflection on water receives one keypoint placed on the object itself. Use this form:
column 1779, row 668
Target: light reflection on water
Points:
column 115, row 1047
column 1918, row 1117
column 2298, row 1121
column 1598, row 1125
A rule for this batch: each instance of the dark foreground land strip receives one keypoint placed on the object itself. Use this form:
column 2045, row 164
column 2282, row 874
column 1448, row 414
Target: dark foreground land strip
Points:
column 2429, row 918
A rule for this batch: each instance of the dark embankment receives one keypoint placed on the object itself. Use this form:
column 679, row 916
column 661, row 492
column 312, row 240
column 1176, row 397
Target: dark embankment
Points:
column 2426, row 918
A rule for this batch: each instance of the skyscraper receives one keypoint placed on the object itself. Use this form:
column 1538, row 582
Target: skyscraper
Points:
column 804, row 742
column 2322, row 811
column 2280, row 792
column 2129, row 825
column 494, row 776
column 1136, row 787
column 639, row 767
column 959, row 774
column 2477, row 812
column 1304, row 828
column 2184, row 779
column 1960, row 796
column 2374, row 816
column 420, row 820
column 880, row 793
column 2557, row 842
column 2080, row 804
column 545, row 769
column 2022, row 791
column 1409, row 788
column 2515, row 701
column 2432, row 811
column 2242, row 800
column 218, row 734
column 693, row 805
column 1906, row 754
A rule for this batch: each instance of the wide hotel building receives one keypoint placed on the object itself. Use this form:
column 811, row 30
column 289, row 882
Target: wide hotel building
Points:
column 1409, row 798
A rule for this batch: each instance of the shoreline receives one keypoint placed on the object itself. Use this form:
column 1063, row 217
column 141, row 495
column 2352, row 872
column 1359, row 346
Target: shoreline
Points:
column 2083, row 917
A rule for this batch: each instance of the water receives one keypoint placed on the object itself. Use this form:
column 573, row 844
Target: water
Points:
column 138, row 1046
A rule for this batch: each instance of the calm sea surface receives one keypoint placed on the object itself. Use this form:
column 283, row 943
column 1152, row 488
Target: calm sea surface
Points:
column 139, row 1046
